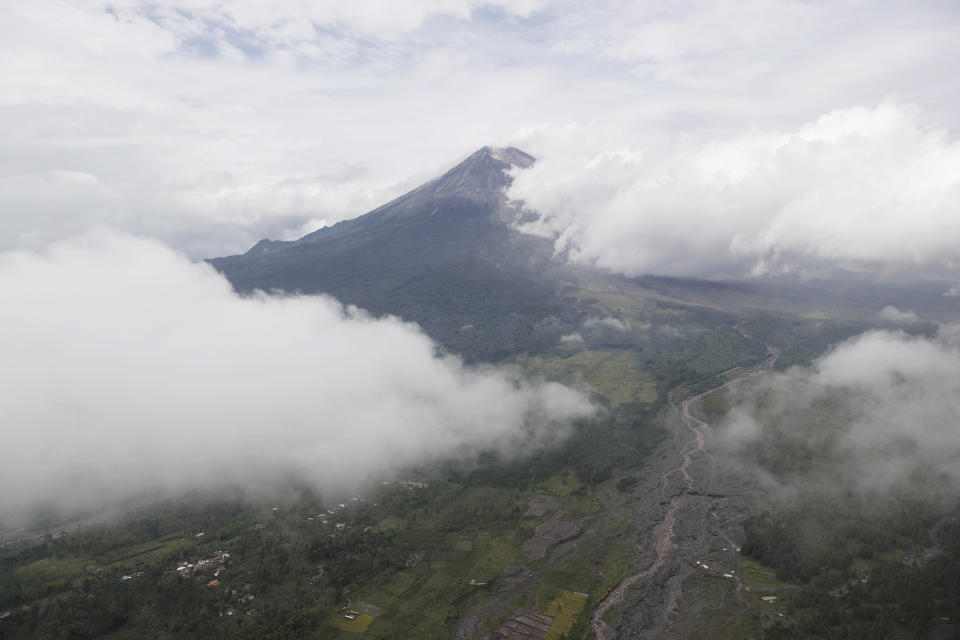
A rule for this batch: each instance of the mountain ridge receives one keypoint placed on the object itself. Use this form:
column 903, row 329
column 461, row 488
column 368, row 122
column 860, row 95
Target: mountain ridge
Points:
column 446, row 255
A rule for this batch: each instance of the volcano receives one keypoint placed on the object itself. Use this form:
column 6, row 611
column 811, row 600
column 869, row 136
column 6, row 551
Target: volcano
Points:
column 446, row 255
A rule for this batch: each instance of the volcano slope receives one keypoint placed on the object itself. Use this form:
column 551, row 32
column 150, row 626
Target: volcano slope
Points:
column 446, row 256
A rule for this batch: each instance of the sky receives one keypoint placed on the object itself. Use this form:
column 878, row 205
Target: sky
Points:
column 723, row 138
column 209, row 124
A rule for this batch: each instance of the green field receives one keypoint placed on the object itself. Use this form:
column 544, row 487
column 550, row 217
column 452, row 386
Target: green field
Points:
column 757, row 575
column 565, row 610
column 559, row 484
column 357, row 625
column 614, row 374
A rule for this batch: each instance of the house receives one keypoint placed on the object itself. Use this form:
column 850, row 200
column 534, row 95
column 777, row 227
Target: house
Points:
column 213, row 583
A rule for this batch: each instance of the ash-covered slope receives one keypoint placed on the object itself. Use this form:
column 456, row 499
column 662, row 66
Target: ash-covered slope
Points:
column 444, row 255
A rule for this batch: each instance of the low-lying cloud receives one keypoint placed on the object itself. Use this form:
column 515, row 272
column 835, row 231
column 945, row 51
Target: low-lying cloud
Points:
column 877, row 412
column 608, row 322
column 893, row 315
column 856, row 188
column 128, row 369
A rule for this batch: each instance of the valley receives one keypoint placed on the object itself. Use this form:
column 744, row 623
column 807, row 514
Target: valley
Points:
column 634, row 526
column 479, row 320
column 641, row 521
column 657, row 590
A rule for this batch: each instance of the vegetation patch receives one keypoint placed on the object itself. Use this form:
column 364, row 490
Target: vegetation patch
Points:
column 757, row 575
column 559, row 484
column 614, row 374
column 564, row 610
column 400, row 583
column 580, row 505
column 390, row 523
column 358, row 624
column 51, row 569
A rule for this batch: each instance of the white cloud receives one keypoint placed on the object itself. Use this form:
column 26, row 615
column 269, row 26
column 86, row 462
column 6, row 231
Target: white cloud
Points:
column 855, row 187
column 895, row 316
column 718, row 43
column 670, row 331
column 211, row 152
column 609, row 322
column 683, row 40
column 128, row 369
column 877, row 409
column 212, row 124
column 880, row 361
column 301, row 23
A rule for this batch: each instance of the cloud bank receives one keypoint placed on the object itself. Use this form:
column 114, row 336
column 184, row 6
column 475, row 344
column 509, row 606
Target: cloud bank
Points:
column 213, row 123
column 856, row 188
column 128, row 369
column 876, row 413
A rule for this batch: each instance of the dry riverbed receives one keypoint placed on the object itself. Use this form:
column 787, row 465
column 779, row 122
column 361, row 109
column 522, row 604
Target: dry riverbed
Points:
column 680, row 523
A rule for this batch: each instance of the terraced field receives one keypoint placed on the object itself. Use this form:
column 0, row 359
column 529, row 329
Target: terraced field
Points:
column 564, row 611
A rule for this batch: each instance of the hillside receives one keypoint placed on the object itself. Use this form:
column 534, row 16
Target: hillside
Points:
column 444, row 255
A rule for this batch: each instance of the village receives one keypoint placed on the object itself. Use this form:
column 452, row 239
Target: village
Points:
column 218, row 559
